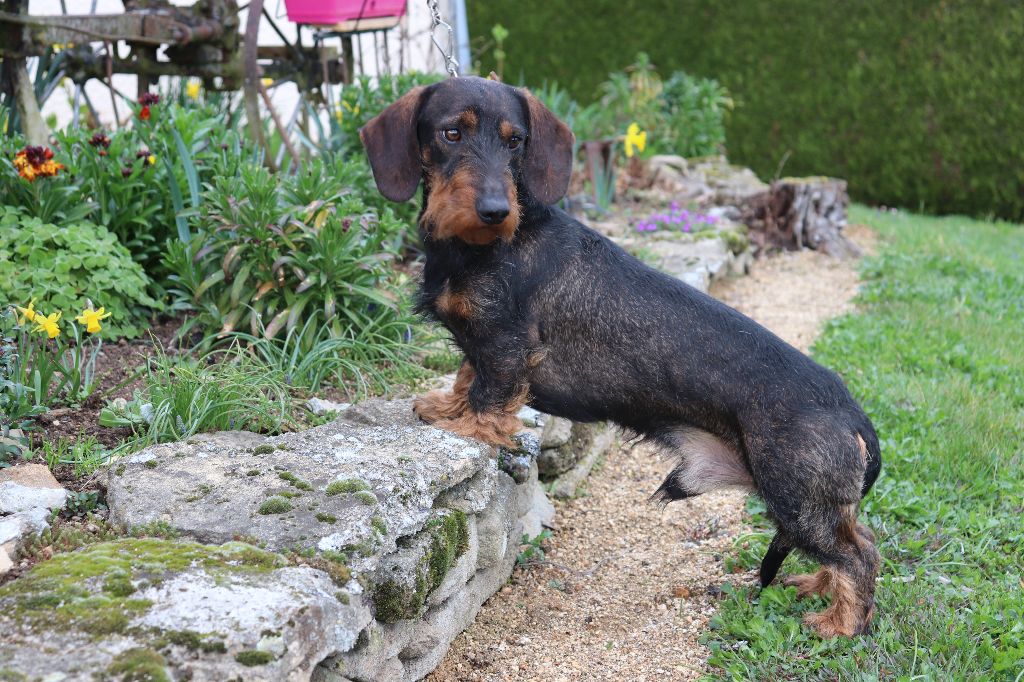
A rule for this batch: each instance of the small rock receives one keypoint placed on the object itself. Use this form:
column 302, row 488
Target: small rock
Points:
column 29, row 487
column 5, row 562
column 556, row 433
column 531, row 417
column 320, row 406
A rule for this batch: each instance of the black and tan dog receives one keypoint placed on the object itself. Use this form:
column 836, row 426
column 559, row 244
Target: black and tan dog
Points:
column 550, row 313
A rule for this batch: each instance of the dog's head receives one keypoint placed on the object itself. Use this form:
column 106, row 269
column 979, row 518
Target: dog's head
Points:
column 483, row 148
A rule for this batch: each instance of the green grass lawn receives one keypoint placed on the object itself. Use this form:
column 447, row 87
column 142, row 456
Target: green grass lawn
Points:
column 935, row 354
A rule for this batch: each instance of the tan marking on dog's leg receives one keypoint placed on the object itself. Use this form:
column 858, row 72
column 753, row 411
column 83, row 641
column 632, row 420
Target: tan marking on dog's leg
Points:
column 437, row 405
column 494, row 428
column 844, row 615
column 863, row 448
column 810, row 584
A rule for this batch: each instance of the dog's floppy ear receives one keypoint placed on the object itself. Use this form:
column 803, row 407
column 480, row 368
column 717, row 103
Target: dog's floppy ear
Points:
column 391, row 144
column 548, row 162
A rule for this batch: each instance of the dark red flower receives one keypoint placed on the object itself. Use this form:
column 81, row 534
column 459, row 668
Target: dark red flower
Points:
column 148, row 99
column 126, row 172
column 100, row 140
column 144, row 114
column 102, row 152
column 142, row 153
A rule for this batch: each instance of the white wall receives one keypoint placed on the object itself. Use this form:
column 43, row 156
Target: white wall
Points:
column 409, row 44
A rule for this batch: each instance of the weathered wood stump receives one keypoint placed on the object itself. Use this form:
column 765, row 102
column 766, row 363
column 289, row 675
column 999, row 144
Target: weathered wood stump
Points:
column 801, row 212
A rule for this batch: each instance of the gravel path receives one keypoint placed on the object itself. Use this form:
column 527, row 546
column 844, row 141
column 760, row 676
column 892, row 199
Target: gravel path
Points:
column 630, row 586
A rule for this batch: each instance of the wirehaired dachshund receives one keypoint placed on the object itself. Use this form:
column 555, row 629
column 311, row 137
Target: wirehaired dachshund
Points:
column 552, row 314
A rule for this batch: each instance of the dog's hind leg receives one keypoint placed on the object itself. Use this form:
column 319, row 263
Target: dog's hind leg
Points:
column 778, row 550
column 816, row 511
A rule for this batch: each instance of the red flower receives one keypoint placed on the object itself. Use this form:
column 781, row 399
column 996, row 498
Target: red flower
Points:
column 100, row 140
column 144, row 114
column 36, row 162
column 148, row 99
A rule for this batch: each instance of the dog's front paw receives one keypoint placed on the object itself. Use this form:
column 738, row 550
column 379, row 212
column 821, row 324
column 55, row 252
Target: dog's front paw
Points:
column 438, row 405
column 493, row 429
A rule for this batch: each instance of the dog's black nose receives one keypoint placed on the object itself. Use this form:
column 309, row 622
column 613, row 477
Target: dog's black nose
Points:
column 492, row 210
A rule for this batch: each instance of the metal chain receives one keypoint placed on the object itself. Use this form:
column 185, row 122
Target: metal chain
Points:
column 451, row 64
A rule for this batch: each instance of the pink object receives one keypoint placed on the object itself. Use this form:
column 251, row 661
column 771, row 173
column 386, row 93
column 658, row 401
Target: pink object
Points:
column 337, row 11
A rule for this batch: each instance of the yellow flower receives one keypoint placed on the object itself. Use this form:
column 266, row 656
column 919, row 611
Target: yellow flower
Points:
column 151, row 160
column 267, row 82
column 91, row 319
column 635, row 138
column 47, row 324
column 192, row 90
column 27, row 314
column 339, row 114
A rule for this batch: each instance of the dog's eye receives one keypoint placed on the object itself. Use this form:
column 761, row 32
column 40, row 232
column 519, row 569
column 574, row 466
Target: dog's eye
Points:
column 514, row 142
column 452, row 134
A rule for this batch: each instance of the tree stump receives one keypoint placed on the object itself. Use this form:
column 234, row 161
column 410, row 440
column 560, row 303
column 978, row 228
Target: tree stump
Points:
column 801, row 212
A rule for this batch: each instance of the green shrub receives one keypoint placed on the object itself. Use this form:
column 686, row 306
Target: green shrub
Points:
column 275, row 252
column 912, row 102
column 65, row 267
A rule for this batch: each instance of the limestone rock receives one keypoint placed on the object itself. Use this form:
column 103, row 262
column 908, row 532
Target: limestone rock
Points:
column 321, row 406
column 592, row 443
column 344, row 487
column 557, row 432
column 27, row 487
column 186, row 610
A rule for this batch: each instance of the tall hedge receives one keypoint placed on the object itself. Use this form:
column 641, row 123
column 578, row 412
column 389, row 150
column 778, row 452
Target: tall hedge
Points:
column 917, row 103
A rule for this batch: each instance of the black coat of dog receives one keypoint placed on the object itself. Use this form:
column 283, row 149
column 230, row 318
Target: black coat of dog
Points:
column 551, row 313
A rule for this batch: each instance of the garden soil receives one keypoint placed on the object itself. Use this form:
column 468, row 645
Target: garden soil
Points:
column 626, row 586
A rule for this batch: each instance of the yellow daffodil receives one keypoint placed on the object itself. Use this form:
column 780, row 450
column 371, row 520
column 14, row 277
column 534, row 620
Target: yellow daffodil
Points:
column 635, row 138
column 151, row 160
column 267, row 82
column 192, row 90
column 339, row 114
column 47, row 324
column 27, row 314
column 91, row 319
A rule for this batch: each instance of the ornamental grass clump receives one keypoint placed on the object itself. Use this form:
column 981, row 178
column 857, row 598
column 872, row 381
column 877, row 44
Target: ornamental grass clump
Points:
column 300, row 269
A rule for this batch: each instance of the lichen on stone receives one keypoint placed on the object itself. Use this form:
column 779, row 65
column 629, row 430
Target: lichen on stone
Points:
column 264, row 449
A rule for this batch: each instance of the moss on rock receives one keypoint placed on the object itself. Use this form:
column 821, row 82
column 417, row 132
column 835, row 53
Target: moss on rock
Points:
column 449, row 539
column 347, row 485
column 139, row 665
column 91, row 590
column 253, row 657
column 275, row 505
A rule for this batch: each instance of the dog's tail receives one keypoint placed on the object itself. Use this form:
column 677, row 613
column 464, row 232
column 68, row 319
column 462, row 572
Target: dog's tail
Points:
column 780, row 547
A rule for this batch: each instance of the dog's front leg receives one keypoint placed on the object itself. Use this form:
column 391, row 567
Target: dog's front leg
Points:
column 484, row 401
